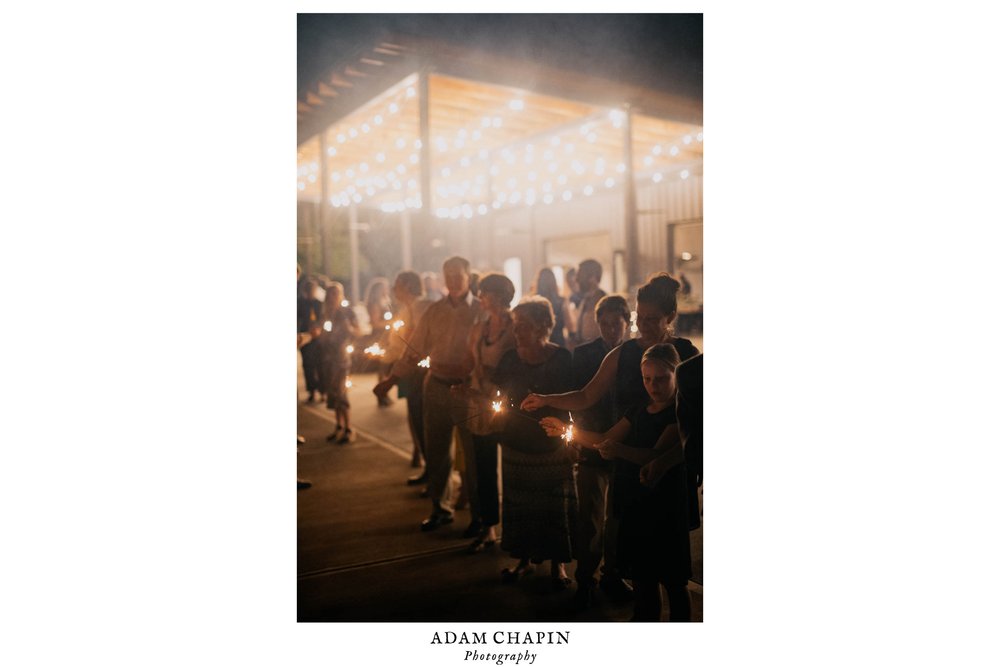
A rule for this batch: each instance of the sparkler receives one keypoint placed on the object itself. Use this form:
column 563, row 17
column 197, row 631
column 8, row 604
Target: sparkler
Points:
column 328, row 326
column 348, row 383
column 497, row 405
column 375, row 350
column 350, row 349
column 398, row 324
column 568, row 432
column 425, row 362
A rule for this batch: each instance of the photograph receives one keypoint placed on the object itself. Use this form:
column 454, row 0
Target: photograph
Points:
column 500, row 304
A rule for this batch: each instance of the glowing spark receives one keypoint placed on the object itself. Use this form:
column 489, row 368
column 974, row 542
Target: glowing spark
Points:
column 568, row 433
column 497, row 404
column 328, row 326
column 350, row 349
column 398, row 324
column 348, row 383
column 375, row 351
column 425, row 362
column 345, row 303
column 387, row 315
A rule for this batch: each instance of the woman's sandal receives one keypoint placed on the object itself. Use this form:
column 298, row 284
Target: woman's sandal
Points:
column 480, row 544
column 509, row 576
column 561, row 583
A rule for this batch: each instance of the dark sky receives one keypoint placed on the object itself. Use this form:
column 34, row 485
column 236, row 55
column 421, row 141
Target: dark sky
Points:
column 660, row 51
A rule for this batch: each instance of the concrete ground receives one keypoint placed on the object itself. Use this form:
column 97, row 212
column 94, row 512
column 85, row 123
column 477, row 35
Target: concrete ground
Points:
column 362, row 557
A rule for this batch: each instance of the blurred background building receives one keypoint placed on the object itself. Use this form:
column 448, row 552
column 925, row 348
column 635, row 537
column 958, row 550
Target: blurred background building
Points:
column 417, row 141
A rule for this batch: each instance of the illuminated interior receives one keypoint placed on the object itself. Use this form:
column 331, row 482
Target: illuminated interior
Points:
column 492, row 149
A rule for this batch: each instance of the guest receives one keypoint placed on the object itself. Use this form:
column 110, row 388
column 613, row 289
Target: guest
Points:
column 545, row 285
column 588, row 276
column 539, row 498
column 379, row 305
column 598, row 526
column 689, row 420
column 653, row 543
column 310, row 310
column 442, row 334
column 491, row 338
column 408, row 292
column 340, row 327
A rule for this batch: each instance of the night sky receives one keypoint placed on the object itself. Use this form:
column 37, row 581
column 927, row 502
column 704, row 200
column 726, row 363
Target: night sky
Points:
column 659, row 51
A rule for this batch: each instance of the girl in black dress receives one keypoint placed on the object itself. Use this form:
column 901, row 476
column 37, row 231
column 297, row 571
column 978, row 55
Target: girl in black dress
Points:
column 653, row 542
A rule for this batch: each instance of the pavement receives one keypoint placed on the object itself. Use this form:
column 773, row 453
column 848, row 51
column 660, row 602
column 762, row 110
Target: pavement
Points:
column 362, row 556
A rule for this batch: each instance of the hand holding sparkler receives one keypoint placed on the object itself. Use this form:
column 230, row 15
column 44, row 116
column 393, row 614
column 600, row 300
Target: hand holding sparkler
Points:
column 609, row 449
column 533, row 402
column 556, row 427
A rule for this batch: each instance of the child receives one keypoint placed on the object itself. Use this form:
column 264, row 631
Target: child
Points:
column 653, row 542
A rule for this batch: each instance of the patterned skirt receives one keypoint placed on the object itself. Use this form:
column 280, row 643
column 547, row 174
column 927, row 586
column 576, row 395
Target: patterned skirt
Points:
column 539, row 505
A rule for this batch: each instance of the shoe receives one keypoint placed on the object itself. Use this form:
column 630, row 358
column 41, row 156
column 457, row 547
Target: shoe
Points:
column 509, row 576
column 616, row 588
column 561, row 583
column 435, row 521
column 347, row 436
column 300, row 440
column 475, row 528
column 417, row 479
column 583, row 599
column 303, row 484
column 312, row 397
column 480, row 544
column 336, row 434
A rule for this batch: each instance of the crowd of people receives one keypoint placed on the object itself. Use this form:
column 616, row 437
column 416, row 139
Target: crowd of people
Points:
column 574, row 442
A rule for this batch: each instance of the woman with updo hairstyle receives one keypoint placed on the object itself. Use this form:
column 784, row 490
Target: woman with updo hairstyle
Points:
column 653, row 545
column 656, row 309
column 539, row 496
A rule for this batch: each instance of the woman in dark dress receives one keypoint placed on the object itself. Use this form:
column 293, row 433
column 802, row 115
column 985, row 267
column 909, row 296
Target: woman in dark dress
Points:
column 653, row 540
column 620, row 373
column 539, row 496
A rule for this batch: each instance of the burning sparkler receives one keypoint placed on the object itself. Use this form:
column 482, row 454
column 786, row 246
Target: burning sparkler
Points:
column 348, row 383
column 425, row 362
column 375, row 350
column 568, row 431
column 398, row 324
column 350, row 349
column 497, row 404
column 328, row 326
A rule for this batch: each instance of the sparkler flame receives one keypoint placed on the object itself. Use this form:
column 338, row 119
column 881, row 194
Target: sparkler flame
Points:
column 425, row 362
column 398, row 324
column 350, row 349
column 348, row 383
column 328, row 326
column 568, row 432
column 375, row 350
column 497, row 404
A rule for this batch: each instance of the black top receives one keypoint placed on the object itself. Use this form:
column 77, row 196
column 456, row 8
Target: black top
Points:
column 309, row 312
column 646, row 430
column 517, row 379
column 628, row 389
column 557, row 335
column 587, row 359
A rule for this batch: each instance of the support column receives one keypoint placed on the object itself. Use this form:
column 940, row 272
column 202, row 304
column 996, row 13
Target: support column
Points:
column 631, row 217
column 352, row 232
column 324, row 203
